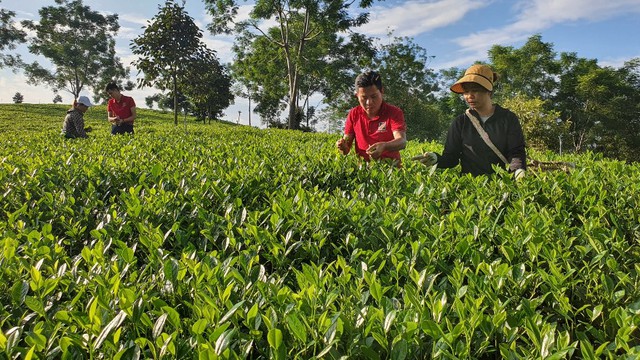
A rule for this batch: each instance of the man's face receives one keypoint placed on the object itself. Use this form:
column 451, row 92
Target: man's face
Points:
column 370, row 98
column 113, row 93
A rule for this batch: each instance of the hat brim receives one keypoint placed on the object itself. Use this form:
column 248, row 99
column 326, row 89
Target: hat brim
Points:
column 471, row 78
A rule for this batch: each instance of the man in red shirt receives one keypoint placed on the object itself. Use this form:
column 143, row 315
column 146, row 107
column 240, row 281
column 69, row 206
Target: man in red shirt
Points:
column 378, row 128
column 121, row 110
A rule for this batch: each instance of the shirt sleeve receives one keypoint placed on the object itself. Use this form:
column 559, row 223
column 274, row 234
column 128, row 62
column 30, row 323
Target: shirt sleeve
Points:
column 453, row 146
column 516, row 154
column 397, row 121
column 348, row 125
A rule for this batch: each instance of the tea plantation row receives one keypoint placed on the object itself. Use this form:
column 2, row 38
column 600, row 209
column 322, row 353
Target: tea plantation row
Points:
column 227, row 242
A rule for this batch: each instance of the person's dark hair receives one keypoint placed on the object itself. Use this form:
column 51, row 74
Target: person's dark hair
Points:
column 112, row 86
column 471, row 86
column 369, row 78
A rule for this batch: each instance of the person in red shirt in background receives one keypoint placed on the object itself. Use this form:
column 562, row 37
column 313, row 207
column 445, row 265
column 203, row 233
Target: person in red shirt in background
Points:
column 121, row 110
column 378, row 128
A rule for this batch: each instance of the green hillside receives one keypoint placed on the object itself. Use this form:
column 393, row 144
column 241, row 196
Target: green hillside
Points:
column 221, row 241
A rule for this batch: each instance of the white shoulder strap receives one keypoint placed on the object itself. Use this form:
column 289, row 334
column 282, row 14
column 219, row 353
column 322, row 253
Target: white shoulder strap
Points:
column 485, row 136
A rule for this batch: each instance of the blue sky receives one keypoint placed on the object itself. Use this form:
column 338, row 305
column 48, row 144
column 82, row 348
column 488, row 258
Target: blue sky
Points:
column 456, row 32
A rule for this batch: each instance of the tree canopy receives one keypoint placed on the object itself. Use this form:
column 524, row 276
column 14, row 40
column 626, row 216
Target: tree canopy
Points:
column 411, row 85
column 9, row 37
column 209, row 85
column 598, row 105
column 302, row 28
column 530, row 70
column 80, row 44
column 171, row 56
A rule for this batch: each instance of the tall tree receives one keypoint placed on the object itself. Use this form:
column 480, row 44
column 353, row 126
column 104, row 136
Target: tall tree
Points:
column 602, row 104
column 531, row 70
column 611, row 98
column 599, row 105
column 411, row 85
column 260, row 66
column 80, row 45
column 209, row 87
column 170, row 42
column 298, row 23
column 572, row 105
column 9, row 37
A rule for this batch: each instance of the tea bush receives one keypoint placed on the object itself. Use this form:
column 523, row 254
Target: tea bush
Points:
column 222, row 241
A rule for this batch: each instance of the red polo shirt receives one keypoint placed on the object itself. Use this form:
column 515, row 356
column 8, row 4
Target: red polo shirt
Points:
column 121, row 108
column 370, row 131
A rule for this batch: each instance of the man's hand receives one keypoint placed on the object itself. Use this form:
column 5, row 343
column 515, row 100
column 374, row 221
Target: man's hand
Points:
column 376, row 150
column 428, row 158
column 343, row 146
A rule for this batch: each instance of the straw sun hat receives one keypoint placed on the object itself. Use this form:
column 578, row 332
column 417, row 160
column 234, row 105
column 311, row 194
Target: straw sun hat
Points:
column 479, row 74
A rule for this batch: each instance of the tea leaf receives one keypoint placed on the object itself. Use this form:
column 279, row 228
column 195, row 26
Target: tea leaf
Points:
column 199, row 326
column 275, row 338
column 19, row 291
column 159, row 325
column 113, row 324
column 297, row 327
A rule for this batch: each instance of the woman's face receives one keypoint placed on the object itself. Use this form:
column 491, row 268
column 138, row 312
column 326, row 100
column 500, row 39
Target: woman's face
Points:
column 476, row 96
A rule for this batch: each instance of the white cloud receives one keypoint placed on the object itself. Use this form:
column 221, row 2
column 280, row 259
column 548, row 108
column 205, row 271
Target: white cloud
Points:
column 134, row 19
column 544, row 13
column 221, row 46
column 534, row 16
column 416, row 17
column 615, row 62
column 244, row 12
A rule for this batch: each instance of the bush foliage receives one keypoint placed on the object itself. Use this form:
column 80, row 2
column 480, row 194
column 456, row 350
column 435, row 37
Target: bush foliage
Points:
column 220, row 241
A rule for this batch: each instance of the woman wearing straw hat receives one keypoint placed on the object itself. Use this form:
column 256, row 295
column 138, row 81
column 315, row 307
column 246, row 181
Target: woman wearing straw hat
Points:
column 496, row 137
column 73, row 125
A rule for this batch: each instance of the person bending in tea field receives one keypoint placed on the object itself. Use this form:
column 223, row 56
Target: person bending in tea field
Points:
column 121, row 110
column 378, row 128
column 496, row 138
column 73, row 125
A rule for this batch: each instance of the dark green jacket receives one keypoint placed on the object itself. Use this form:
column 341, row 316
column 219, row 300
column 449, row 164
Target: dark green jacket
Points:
column 465, row 146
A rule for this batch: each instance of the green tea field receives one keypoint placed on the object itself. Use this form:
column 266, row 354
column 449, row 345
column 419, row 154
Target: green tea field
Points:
column 220, row 241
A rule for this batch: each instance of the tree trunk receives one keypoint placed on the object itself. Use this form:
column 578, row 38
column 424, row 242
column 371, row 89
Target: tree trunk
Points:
column 292, row 67
column 293, row 106
column 293, row 91
column 175, row 100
